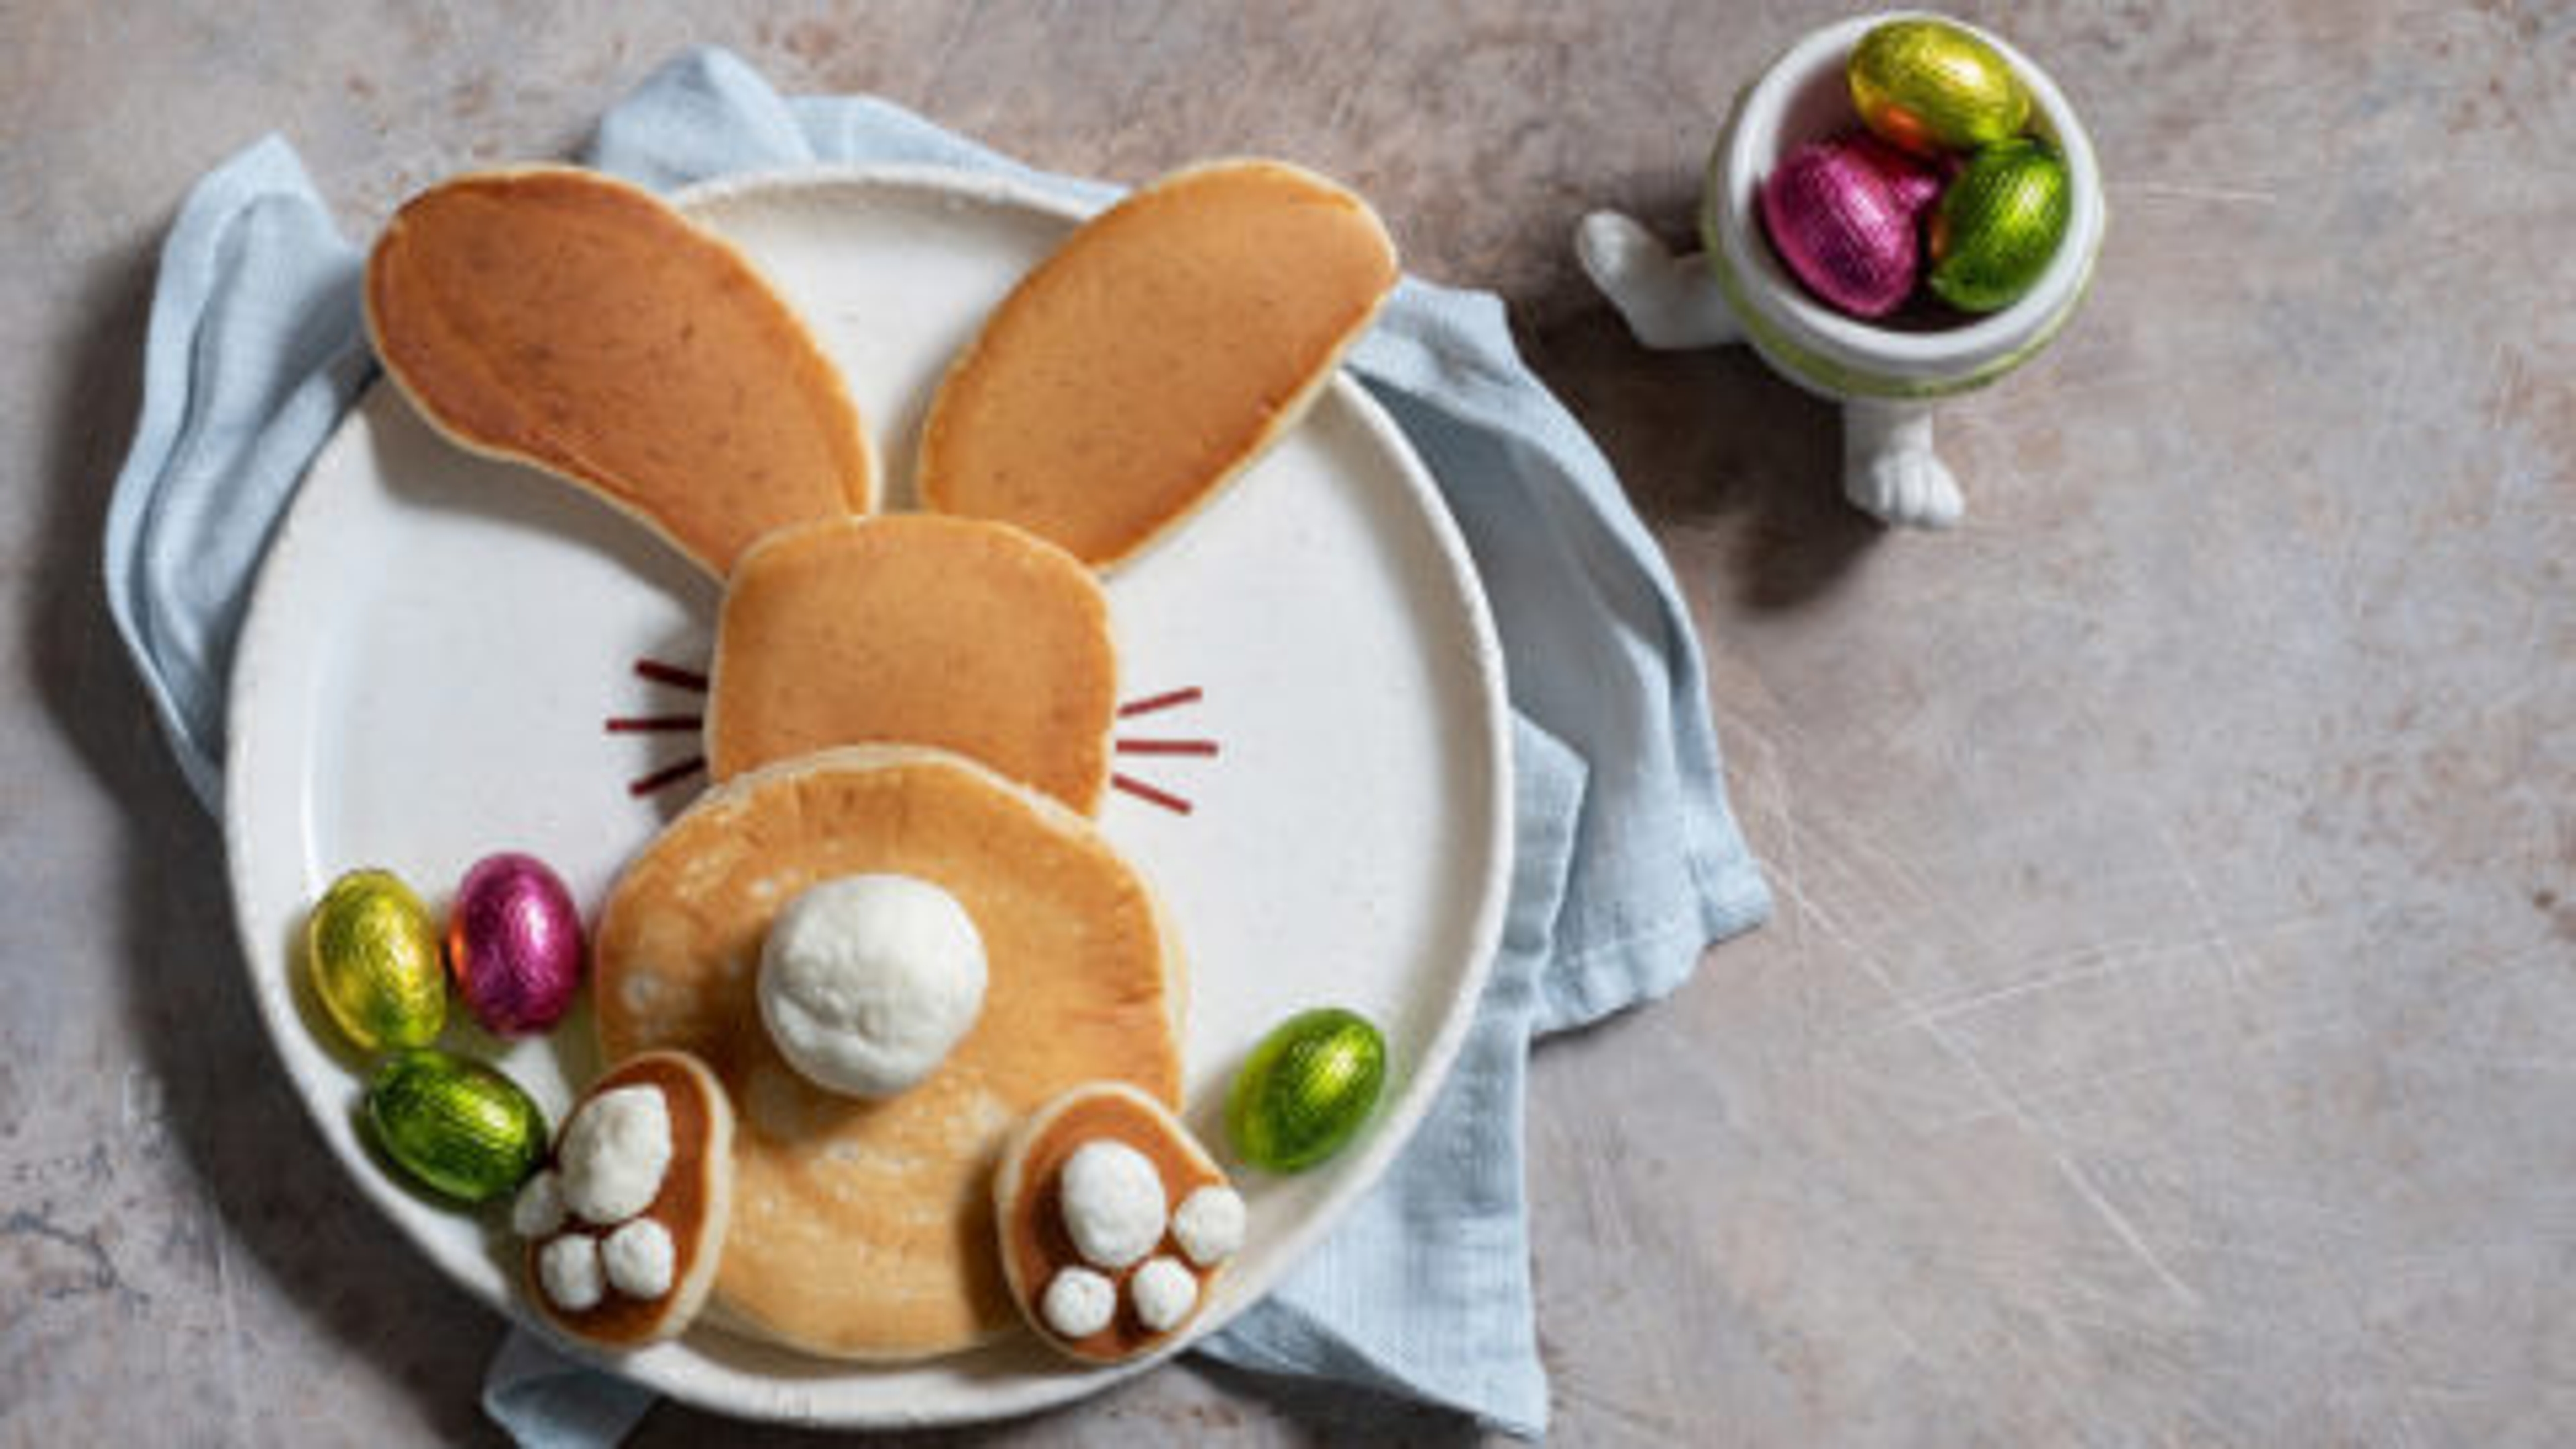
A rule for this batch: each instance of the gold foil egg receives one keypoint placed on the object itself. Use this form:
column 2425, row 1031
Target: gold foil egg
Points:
column 454, row 1125
column 1998, row 225
column 1931, row 86
column 373, row 957
column 1306, row 1089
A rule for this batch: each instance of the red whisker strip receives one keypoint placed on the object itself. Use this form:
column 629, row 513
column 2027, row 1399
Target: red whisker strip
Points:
column 1164, row 747
column 653, row 723
column 659, row 779
column 1150, row 795
column 1159, row 701
column 671, row 674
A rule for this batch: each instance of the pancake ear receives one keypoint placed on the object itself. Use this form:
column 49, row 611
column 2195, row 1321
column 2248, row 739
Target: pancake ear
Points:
column 561, row 318
column 1155, row 355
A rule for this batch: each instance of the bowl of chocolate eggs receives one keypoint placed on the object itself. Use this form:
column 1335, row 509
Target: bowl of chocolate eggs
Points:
column 1901, row 207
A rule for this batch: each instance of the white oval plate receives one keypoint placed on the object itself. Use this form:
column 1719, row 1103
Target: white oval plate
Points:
column 437, row 641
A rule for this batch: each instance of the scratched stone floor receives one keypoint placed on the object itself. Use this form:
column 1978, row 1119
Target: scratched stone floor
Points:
column 2168, row 1030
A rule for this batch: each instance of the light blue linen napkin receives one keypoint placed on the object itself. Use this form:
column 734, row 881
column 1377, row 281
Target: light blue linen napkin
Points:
column 1627, row 864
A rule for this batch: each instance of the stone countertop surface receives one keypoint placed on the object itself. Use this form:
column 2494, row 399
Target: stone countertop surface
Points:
column 2168, row 1030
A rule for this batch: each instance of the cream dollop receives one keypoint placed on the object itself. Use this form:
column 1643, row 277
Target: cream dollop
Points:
column 614, row 1153
column 640, row 1259
column 1209, row 1224
column 868, row 981
column 1165, row 1293
column 569, row 1269
column 1078, row 1303
column 1113, row 1203
column 539, row 1208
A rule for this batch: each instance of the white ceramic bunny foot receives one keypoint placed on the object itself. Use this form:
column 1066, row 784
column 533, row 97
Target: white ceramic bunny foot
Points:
column 1670, row 302
column 1889, row 468
column 1673, row 302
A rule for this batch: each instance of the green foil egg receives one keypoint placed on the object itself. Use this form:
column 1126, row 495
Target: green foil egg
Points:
column 1931, row 86
column 1306, row 1090
column 1998, row 225
column 455, row 1126
column 373, row 956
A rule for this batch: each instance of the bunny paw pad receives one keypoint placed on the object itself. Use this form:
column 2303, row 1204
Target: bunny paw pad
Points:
column 624, row 1225
column 1114, row 1221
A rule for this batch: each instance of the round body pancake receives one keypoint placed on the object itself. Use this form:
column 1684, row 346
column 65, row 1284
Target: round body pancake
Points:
column 566, row 319
column 916, row 629
column 1154, row 355
column 859, row 1229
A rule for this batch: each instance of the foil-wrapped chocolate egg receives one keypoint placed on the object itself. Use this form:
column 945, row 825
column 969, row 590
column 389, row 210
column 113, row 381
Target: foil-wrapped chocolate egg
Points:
column 372, row 955
column 1998, row 225
column 1306, row 1089
column 454, row 1125
column 1915, row 182
column 1841, row 214
column 1931, row 86
column 514, row 944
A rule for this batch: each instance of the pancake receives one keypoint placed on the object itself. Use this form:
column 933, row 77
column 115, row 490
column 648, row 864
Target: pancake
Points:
column 565, row 319
column 915, row 629
column 866, row 1230
column 1154, row 355
column 1028, row 1205
column 692, row 1206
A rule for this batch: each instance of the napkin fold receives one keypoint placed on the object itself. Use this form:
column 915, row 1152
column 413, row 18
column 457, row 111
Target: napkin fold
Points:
column 1627, row 860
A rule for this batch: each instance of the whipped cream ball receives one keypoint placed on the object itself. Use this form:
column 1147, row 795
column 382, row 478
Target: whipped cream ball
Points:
column 640, row 1259
column 614, row 1153
column 570, row 1271
column 539, row 1208
column 867, row 982
column 1113, row 1203
column 1209, row 1225
column 1079, row 1303
column 1165, row 1293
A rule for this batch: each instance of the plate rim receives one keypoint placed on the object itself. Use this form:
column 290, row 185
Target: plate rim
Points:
column 262, row 633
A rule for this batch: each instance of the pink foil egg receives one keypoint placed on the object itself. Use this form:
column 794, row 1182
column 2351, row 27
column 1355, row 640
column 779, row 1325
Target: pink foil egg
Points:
column 1842, row 215
column 1913, row 180
column 514, row 944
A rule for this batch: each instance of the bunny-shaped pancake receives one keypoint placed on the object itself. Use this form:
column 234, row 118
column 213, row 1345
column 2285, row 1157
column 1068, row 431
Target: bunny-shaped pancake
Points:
column 919, row 695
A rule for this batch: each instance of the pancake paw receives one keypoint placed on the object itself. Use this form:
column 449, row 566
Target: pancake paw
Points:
column 624, row 1226
column 1114, row 1223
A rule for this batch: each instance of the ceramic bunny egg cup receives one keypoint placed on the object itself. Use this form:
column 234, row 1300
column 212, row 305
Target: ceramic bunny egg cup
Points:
column 1888, row 377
